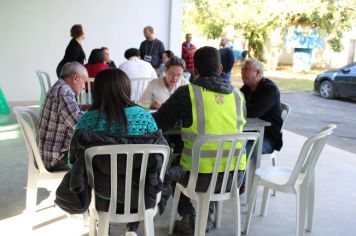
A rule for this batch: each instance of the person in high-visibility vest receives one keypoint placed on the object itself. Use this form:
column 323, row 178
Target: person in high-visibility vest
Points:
column 209, row 105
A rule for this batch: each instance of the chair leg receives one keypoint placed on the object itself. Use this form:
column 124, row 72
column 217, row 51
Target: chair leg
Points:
column 103, row 226
column 31, row 194
column 251, row 203
column 237, row 210
column 149, row 225
column 274, row 164
column 202, row 214
column 92, row 226
column 86, row 218
column 302, row 198
column 218, row 214
column 176, row 197
column 265, row 200
column 310, row 208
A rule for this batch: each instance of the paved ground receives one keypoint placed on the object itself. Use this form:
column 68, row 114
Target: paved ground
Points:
column 311, row 112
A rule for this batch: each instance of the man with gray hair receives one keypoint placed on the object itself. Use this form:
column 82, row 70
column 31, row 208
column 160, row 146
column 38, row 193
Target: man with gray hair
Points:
column 59, row 116
column 263, row 101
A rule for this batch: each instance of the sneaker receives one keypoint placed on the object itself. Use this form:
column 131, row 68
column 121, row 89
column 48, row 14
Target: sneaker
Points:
column 185, row 225
column 130, row 233
column 242, row 189
column 131, row 228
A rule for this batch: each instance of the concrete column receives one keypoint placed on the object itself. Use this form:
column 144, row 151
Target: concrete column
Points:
column 175, row 26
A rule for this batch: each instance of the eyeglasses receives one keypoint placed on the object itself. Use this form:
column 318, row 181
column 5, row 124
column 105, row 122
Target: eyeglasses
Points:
column 170, row 74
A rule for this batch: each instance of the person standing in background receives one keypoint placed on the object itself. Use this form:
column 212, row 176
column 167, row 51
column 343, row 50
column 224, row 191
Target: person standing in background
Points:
column 151, row 49
column 227, row 58
column 188, row 50
column 74, row 50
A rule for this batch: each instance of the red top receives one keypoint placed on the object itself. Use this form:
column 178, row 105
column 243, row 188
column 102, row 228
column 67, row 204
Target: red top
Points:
column 187, row 56
column 93, row 69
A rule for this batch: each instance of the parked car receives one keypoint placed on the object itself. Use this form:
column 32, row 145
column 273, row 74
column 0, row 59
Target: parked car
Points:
column 338, row 82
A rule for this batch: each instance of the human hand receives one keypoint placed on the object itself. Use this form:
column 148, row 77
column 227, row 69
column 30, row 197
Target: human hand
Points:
column 84, row 107
column 155, row 104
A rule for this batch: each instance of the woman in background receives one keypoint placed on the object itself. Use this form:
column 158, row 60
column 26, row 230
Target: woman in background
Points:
column 96, row 63
column 159, row 90
column 74, row 50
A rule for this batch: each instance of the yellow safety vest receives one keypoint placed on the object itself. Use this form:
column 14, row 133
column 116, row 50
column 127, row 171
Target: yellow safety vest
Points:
column 213, row 113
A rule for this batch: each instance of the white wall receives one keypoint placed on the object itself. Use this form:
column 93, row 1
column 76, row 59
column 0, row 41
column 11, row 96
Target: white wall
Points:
column 35, row 33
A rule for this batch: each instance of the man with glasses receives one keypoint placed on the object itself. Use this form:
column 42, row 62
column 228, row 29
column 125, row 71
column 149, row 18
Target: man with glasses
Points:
column 59, row 116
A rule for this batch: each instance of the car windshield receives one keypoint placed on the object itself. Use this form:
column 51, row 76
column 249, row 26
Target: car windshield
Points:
column 351, row 67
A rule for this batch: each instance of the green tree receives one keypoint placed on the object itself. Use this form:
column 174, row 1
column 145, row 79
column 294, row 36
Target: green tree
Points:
column 262, row 21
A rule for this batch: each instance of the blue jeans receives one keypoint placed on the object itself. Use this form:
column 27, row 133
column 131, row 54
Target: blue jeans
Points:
column 267, row 146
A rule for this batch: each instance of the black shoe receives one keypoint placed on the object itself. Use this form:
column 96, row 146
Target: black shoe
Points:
column 132, row 227
column 185, row 225
column 209, row 224
column 242, row 189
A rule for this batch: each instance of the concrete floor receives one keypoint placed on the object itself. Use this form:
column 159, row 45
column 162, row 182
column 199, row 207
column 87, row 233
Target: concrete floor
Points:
column 335, row 205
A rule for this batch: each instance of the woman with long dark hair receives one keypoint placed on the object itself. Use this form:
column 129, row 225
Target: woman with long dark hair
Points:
column 74, row 50
column 112, row 110
column 113, row 113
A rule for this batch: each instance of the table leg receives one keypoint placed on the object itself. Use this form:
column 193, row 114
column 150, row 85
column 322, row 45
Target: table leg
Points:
column 255, row 162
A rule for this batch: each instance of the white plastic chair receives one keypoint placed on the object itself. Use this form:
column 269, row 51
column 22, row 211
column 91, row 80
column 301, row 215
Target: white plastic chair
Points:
column 273, row 156
column 37, row 176
column 203, row 199
column 299, row 181
column 111, row 216
column 138, row 87
column 45, row 84
column 86, row 97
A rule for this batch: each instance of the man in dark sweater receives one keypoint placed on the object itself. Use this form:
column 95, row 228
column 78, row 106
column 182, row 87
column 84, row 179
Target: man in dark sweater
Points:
column 151, row 49
column 263, row 101
column 227, row 58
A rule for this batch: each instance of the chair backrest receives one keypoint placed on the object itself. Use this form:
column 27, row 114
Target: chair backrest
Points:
column 45, row 84
column 310, row 153
column 138, row 87
column 85, row 97
column 223, row 141
column 285, row 112
column 28, row 120
column 129, row 150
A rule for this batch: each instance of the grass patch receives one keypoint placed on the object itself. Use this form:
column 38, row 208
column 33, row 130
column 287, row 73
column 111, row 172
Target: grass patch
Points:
column 294, row 85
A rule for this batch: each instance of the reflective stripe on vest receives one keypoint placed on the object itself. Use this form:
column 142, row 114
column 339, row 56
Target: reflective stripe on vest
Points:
column 213, row 113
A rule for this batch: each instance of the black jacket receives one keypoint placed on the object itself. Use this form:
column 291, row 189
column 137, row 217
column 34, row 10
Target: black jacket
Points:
column 265, row 104
column 74, row 52
column 77, row 181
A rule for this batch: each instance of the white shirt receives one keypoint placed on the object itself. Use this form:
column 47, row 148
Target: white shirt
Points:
column 157, row 90
column 134, row 67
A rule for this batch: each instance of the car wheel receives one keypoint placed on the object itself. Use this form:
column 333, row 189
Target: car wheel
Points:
column 326, row 89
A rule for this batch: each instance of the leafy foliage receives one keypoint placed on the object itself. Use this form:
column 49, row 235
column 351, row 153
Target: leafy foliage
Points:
column 257, row 20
